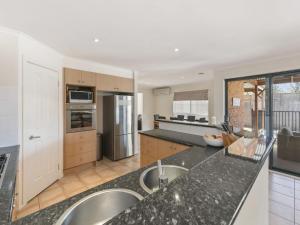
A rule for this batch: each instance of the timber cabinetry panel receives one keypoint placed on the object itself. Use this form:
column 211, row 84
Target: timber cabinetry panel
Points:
column 153, row 149
column 88, row 78
column 106, row 83
column 79, row 77
column 80, row 148
column 114, row 83
column 72, row 76
column 148, row 150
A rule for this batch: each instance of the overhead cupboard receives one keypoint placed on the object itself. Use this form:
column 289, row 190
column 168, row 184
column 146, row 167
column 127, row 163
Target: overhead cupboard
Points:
column 102, row 82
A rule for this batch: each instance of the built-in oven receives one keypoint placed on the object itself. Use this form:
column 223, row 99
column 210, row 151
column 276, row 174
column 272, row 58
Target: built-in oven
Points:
column 80, row 117
column 81, row 96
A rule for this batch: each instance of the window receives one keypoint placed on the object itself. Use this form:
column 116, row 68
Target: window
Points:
column 191, row 103
column 198, row 108
column 181, row 107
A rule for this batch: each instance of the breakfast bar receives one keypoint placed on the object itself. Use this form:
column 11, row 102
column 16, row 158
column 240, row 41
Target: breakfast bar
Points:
column 218, row 187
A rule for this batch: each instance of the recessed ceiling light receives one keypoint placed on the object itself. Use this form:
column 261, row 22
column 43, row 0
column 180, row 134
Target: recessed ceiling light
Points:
column 176, row 49
column 96, row 40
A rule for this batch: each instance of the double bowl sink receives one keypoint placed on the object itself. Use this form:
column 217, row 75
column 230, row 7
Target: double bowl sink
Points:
column 99, row 207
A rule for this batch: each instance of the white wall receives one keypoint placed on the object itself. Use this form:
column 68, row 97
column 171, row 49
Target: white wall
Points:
column 8, row 88
column 86, row 65
column 164, row 103
column 263, row 67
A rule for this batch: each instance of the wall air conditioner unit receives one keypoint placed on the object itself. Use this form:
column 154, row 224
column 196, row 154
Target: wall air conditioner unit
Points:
column 162, row 91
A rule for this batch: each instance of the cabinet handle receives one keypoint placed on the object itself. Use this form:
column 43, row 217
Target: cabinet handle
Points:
column 33, row 137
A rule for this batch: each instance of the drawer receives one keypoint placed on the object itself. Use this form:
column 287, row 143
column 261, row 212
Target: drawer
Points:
column 78, row 159
column 79, row 137
column 74, row 149
column 87, row 157
column 71, row 161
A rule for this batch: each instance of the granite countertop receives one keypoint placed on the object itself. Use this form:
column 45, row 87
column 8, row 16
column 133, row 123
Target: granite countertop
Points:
column 186, row 122
column 174, row 136
column 189, row 158
column 8, row 186
column 211, row 193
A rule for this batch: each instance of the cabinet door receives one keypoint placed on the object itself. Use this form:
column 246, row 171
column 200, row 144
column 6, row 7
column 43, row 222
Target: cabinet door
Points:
column 106, row 82
column 180, row 148
column 148, row 150
column 165, row 149
column 125, row 84
column 88, row 78
column 72, row 76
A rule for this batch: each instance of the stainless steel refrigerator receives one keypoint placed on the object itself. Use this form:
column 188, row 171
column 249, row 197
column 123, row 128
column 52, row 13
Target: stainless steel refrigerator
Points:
column 118, row 128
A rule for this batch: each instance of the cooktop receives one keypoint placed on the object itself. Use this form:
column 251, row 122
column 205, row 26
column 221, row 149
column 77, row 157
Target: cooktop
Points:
column 3, row 165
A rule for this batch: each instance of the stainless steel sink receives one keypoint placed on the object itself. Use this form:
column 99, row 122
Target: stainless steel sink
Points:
column 99, row 207
column 149, row 179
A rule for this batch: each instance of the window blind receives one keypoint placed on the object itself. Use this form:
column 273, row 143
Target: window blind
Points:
column 191, row 95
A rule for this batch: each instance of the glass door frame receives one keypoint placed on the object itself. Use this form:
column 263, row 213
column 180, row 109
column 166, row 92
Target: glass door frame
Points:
column 269, row 105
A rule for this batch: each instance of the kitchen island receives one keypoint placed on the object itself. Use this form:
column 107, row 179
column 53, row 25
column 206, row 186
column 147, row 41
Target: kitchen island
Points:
column 215, row 191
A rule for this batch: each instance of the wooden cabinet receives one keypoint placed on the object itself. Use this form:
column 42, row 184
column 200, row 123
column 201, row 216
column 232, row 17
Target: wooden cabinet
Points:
column 148, row 150
column 125, row 84
column 106, row 83
column 72, row 76
column 103, row 82
column 113, row 83
column 80, row 148
column 153, row 149
column 78, row 77
column 88, row 78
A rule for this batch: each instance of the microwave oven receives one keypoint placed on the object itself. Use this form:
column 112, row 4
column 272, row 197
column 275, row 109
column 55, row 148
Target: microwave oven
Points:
column 76, row 96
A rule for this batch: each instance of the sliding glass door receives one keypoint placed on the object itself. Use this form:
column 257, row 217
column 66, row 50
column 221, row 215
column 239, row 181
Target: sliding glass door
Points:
column 286, row 123
column 246, row 106
column 268, row 105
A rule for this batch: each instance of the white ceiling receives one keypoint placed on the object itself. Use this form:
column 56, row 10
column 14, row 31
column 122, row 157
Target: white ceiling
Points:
column 142, row 35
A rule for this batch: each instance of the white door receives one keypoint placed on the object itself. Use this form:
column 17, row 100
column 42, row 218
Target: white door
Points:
column 40, row 129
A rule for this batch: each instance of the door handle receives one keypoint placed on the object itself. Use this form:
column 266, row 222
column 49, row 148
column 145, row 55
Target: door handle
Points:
column 33, row 137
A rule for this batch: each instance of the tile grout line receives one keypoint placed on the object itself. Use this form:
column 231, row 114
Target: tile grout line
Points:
column 283, row 193
column 291, row 207
column 281, row 217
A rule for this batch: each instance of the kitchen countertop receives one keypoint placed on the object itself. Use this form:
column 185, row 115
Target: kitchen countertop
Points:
column 48, row 216
column 211, row 193
column 174, row 136
column 186, row 122
column 8, row 186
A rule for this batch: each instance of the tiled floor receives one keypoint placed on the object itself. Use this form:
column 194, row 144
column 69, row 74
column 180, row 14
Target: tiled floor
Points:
column 78, row 180
column 284, row 199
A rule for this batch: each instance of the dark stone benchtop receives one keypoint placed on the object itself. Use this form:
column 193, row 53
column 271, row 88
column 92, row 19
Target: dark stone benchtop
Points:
column 211, row 193
column 191, row 123
column 189, row 158
column 174, row 136
column 8, row 186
